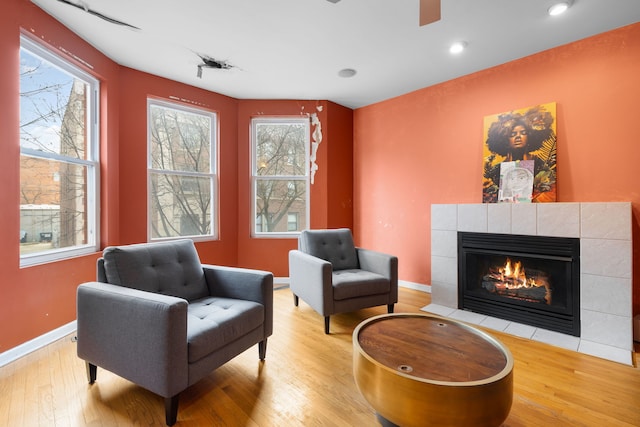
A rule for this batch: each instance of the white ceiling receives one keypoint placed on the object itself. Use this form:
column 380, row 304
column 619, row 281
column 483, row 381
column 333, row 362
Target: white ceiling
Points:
column 293, row 49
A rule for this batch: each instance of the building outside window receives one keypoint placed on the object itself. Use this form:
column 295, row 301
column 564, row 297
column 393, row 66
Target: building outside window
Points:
column 182, row 171
column 59, row 157
column 280, row 175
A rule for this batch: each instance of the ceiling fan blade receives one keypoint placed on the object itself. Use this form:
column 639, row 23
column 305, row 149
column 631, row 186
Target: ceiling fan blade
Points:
column 429, row 11
column 99, row 15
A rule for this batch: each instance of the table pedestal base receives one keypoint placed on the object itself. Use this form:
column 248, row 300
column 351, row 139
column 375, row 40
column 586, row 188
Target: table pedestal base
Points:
column 385, row 422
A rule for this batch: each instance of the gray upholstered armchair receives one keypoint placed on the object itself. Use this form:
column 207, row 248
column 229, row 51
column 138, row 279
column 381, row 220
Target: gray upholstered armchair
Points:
column 333, row 276
column 162, row 320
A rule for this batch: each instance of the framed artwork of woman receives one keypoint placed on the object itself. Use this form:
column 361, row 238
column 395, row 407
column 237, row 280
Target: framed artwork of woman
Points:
column 526, row 134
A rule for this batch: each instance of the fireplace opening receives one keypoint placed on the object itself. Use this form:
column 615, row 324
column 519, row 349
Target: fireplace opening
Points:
column 533, row 280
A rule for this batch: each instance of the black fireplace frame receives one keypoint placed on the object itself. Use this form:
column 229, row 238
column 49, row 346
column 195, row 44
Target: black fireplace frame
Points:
column 559, row 248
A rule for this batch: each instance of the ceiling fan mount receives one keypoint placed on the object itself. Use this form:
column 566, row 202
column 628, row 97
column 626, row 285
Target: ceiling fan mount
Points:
column 209, row 62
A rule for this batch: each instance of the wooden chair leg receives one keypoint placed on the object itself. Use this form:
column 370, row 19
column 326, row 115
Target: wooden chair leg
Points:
column 295, row 300
column 389, row 308
column 262, row 349
column 92, row 372
column 326, row 324
column 171, row 409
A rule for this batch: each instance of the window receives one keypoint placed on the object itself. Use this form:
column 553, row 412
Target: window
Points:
column 280, row 175
column 292, row 221
column 182, row 171
column 58, row 157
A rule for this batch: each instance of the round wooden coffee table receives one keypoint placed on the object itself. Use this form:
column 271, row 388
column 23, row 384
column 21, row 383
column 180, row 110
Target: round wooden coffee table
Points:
column 424, row 370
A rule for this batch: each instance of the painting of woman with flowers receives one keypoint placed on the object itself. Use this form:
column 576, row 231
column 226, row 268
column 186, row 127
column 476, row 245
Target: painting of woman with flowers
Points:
column 527, row 134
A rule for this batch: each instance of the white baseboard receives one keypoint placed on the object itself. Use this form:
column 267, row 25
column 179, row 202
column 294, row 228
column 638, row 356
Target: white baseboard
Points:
column 403, row 283
column 416, row 286
column 36, row 343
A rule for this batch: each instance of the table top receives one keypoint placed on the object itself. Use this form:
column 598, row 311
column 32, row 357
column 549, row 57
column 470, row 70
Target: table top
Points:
column 432, row 348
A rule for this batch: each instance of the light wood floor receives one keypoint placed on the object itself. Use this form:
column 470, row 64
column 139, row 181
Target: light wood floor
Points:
column 306, row 380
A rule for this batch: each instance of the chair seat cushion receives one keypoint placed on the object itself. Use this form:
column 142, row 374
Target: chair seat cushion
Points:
column 215, row 322
column 353, row 283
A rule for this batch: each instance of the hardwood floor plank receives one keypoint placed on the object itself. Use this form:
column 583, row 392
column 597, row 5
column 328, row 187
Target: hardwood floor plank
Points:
column 44, row 390
column 306, row 380
column 18, row 389
column 6, row 391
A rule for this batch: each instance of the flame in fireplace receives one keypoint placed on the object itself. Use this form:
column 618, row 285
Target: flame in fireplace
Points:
column 511, row 278
column 515, row 276
column 516, row 273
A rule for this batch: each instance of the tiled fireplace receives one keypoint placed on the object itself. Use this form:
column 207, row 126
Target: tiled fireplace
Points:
column 605, row 277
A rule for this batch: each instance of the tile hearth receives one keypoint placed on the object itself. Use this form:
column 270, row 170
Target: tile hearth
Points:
column 606, row 257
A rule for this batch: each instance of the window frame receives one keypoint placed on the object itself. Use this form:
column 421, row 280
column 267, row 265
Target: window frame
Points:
column 212, row 175
column 255, row 177
column 91, row 163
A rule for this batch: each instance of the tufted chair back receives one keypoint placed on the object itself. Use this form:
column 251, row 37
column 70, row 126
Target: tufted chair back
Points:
column 335, row 246
column 168, row 268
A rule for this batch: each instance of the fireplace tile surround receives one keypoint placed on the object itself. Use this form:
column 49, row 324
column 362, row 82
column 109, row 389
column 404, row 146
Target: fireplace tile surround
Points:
column 605, row 232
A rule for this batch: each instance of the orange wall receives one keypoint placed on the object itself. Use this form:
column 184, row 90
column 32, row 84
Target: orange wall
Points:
column 37, row 299
column 339, row 136
column 426, row 147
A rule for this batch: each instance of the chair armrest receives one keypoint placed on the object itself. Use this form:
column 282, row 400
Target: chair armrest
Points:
column 138, row 335
column 310, row 278
column 383, row 264
column 239, row 283
column 243, row 284
column 380, row 263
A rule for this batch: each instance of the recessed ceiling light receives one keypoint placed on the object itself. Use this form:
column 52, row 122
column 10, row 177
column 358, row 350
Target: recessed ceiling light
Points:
column 347, row 72
column 559, row 8
column 458, row 47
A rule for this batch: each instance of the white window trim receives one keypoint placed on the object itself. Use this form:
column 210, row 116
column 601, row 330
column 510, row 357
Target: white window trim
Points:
column 254, row 177
column 213, row 170
column 93, row 165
